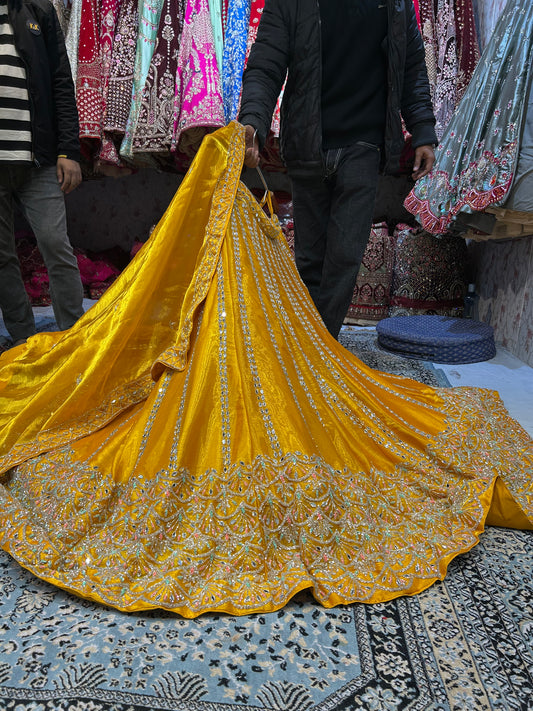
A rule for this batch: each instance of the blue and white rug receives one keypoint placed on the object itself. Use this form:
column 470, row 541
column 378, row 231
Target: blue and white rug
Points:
column 464, row 645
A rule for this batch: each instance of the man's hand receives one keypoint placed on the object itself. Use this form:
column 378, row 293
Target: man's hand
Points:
column 424, row 159
column 251, row 151
column 68, row 174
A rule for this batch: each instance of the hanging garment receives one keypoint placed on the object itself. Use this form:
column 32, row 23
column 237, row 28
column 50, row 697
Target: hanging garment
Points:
column 89, row 70
column 520, row 196
column 452, row 53
column 487, row 14
column 428, row 30
column 72, row 37
column 198, row 96
column 63, row 14
column 149, row 16
column 109, row 16
column 215, row 10
column 515, row 217
column 256, row 11
column 95, row 150
column 444, row 91
column 198, row 441
column 225, row 9
column 417, row 11
column 468, row 52
column 120, row 82
column 476, row 159
column 235, row 45
column 97, row 29
column 155, row 124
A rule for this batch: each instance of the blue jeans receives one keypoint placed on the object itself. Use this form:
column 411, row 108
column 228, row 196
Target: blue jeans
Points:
column 37, row 192
column 333, row 211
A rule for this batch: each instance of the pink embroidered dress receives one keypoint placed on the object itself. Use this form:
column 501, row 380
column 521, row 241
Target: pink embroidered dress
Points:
column 198, row 95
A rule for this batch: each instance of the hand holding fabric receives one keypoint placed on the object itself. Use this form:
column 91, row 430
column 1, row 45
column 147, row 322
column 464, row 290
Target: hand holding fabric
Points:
column 424, row 159
column 251, row 154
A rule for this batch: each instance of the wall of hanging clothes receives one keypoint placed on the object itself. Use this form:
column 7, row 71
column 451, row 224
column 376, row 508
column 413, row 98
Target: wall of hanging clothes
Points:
column 153, row 76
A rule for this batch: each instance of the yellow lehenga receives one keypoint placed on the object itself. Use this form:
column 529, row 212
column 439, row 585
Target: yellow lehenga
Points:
column 199, row 442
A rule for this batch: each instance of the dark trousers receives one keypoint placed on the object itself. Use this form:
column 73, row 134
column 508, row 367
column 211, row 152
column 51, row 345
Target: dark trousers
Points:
column 37, row 192
column 333, row 211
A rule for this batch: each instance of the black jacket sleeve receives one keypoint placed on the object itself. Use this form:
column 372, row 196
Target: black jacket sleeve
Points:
column 267, row 68
column 416, row 105
column 63, row 94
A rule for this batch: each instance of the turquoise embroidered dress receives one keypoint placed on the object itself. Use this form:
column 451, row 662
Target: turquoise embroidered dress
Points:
column 149, row 16
column 477, row 157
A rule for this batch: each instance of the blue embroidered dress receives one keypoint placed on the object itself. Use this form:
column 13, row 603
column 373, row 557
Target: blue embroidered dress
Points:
column 235, row 43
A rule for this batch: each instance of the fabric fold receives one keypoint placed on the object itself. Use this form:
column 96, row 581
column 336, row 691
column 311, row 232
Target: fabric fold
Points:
column 134, row 323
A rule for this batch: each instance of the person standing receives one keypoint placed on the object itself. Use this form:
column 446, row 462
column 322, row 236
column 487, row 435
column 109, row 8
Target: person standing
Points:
column 353, row 69
column 39, row 159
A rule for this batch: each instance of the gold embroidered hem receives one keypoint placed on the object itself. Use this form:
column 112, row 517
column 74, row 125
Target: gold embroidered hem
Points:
column 199, row 442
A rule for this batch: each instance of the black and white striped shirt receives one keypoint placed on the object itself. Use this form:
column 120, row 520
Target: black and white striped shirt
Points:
column 15, row 126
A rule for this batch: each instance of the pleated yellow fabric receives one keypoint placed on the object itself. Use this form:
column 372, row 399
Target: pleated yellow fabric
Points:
column 198, row 441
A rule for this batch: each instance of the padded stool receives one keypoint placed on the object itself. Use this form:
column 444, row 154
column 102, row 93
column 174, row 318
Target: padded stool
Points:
column 441, row 339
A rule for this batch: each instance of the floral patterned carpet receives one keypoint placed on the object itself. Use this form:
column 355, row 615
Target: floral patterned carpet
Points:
column 465, row 644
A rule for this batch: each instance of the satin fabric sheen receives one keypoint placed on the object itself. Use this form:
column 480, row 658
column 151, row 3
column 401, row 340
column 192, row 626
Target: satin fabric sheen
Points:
column 199, row 442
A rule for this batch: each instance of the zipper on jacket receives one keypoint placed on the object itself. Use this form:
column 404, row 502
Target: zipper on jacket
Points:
column 319, row 77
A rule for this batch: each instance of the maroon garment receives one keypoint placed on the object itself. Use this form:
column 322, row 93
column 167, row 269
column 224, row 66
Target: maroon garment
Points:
column 467, row 44
column 452, row 53
column 429, row 275
column 155, row 124
column 97, row 29
column 372, row 292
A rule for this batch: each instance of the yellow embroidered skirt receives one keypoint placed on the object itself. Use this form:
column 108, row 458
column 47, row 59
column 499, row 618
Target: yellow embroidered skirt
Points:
column 198, row 441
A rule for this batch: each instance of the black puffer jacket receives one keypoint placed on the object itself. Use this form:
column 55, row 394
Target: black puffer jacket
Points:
column 289, row 38
column 54, row 116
